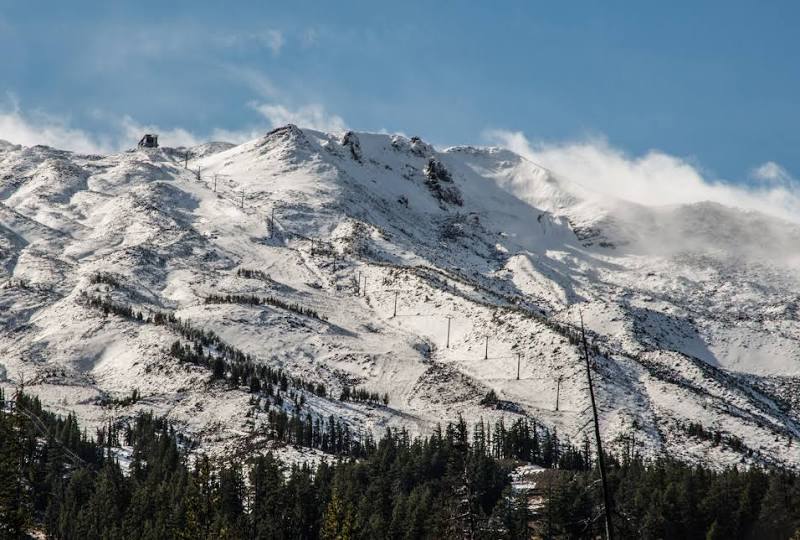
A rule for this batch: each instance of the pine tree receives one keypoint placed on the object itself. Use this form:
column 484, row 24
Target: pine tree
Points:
column 337, row 522
column 15, row 501
column 775, row 520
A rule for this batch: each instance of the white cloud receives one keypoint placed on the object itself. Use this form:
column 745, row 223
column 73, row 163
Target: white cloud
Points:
column 132, row 131
column 654, row 178
column 312, row 116
column 40, row 128
column 29, row 129
column 274, row 104
column 235, row 136
column 120, row 47
column 253, row 79
column 772, row 173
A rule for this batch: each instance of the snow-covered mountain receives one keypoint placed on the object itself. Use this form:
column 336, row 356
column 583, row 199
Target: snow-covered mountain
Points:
column 693, row 309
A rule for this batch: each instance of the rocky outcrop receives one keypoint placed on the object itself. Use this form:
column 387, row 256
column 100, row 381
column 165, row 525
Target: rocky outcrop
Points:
column 287, row 133
column 436, row 171
column 351, row 142
column 420, row 147
column 440, row 183
column 414, row 145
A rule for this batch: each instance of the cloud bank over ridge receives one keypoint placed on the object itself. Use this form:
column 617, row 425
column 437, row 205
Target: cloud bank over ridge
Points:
column 655, row 178
column 32, row 128
column 652, row 179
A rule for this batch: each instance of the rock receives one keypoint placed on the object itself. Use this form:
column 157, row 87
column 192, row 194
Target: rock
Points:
column 435, row 170
column 288, row 129
column 437, row 177
column 350, row 140
column 420, row 147
column 400, row 143
column 414, row 145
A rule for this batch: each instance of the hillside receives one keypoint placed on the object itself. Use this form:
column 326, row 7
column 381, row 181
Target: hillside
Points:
column 693, row 309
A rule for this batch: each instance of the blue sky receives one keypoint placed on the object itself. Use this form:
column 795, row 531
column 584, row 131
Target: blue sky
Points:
column 713, row 84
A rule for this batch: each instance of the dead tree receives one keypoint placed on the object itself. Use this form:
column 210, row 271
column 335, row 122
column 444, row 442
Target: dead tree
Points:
column 600, row 459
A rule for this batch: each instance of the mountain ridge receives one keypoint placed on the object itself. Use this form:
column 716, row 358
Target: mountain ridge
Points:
column 693, row 313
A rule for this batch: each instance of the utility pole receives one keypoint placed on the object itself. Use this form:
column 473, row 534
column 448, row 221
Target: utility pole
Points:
column 186, row 159
column 519, row 359
column 449, row 318
column 600, row 459
column 365, row 286
column 217, row 177
column 486, row 351
column 242, row 199
column 396, row 293
column 558, row 389
column 272, row 223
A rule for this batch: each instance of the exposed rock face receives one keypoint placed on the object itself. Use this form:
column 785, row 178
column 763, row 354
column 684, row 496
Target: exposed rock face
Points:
column 437, row 176
column 435, row 170
column 420, row 147
column 414, row 145
column 400, row 143
column 288, row 132
column 350, row 140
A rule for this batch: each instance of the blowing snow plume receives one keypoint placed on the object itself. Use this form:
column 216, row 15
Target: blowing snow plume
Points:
column 655, row 178
column 662, row 204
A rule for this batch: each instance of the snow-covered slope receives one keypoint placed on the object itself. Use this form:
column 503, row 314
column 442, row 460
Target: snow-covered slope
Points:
column 693, row 309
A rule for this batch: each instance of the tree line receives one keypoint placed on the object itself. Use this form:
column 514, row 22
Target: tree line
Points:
column 140, row 480
column 696, row 429
column 254, row 300
column 432, row 487
column 363, row 395
column 665, row 498
column 206, row 348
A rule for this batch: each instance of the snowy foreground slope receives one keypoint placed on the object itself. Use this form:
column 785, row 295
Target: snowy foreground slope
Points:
column 694, row 309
